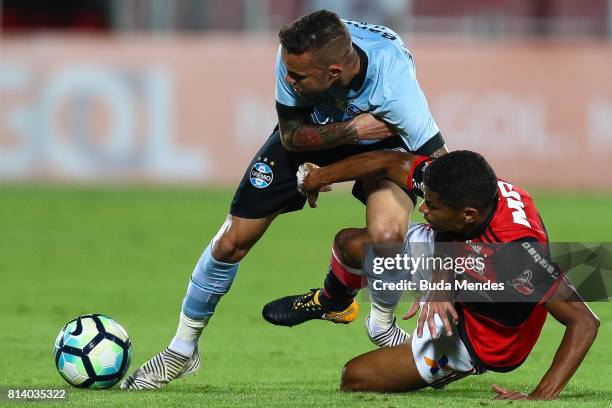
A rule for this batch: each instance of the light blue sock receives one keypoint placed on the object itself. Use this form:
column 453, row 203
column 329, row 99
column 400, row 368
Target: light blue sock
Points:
column 210, row 280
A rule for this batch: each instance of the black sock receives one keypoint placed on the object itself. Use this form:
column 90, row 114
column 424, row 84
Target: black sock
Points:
column 336, row 295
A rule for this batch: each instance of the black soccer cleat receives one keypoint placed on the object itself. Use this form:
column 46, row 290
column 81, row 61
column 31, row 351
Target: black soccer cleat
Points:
column 297, row 309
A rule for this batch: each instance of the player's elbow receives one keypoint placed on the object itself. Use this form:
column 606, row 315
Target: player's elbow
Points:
column 588, row 325
column 287, row 141
column 593, row 324
column 589, row 320
column 590, row 328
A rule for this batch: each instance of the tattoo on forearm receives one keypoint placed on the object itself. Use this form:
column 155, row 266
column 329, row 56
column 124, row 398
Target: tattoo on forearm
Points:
column 337, row 133
column 316, row 137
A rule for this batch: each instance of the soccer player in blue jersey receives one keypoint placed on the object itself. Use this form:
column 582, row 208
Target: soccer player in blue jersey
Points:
column 342, row 88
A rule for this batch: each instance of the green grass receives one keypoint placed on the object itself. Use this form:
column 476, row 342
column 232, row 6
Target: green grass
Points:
column 128, row 253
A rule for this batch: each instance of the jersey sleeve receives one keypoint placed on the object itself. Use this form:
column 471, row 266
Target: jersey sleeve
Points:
column 414, row 181
column 404, row 105
column 526, row 268
column 284, row 93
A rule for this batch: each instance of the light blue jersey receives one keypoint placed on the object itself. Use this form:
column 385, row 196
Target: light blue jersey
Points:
column 390, row 89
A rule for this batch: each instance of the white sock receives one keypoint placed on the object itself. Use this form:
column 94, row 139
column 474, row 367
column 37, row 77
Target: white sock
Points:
column 382, row 315
column 187, row 335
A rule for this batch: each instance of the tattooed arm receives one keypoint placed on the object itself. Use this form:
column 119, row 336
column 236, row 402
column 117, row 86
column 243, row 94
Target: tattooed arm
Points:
column 298, row 133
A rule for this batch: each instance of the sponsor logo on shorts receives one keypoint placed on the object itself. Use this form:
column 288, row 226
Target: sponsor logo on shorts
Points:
column 261, row 175
column 440, row 364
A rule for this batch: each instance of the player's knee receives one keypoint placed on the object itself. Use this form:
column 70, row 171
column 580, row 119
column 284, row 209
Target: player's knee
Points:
column 343, row 239
column 386, row 233
column 349, row 243
column 228, row 249
column 353, row 377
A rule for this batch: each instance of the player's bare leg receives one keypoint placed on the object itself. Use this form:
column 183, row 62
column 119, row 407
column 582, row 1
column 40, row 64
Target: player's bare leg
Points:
column 389, row 369
column 210, row 280
column 388, row 217
column 350, row 243
column 388, row 210
column 237, row 236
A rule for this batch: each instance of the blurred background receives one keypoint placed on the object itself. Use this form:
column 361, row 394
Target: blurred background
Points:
column 181, row 91
column 125, row 125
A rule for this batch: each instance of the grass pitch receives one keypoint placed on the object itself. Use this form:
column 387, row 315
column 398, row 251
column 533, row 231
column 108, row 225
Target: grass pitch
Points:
column 128, row 253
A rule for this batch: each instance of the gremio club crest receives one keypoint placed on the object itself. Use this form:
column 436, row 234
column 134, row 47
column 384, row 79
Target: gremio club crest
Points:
column 261, row 173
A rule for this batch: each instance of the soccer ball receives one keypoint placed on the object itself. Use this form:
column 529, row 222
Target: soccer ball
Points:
column 92, row 351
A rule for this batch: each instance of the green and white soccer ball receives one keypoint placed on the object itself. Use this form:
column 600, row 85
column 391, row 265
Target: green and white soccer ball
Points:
column 92, row 351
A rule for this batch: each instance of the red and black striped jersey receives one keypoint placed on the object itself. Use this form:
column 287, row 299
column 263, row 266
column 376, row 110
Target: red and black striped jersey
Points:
column 500, row 331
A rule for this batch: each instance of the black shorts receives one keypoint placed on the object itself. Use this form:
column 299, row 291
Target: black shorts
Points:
column 269, row 184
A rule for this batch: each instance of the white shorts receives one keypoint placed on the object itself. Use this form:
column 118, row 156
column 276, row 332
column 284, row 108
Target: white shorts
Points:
column 441, row 360
column 444, row 359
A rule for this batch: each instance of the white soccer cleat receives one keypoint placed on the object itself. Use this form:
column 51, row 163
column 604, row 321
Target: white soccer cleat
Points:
column 161, row 369
column 386, row 337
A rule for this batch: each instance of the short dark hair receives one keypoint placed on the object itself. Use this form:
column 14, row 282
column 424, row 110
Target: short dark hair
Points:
column 462, row 179
column 314, row 32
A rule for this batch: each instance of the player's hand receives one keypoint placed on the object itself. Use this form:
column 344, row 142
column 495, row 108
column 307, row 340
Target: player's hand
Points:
column 435, row 305
column 504, row 394
column 416, row 305
column 308, row 184
column 369, row 127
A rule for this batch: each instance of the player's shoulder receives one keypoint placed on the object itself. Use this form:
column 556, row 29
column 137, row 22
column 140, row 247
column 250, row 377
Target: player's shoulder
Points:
column 389, row 60
column 380, row 43
column 279, row 56
column 516, row 216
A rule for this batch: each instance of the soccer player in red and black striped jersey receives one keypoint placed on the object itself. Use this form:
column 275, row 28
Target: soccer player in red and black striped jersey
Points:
column 465, row 202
